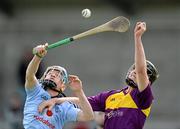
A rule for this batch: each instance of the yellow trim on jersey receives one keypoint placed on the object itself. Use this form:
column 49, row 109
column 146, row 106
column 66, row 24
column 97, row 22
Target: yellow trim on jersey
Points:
column 120, row 100
column 147, row 111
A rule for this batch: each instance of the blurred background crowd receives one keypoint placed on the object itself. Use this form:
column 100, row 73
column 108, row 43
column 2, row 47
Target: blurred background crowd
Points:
column 101, row 61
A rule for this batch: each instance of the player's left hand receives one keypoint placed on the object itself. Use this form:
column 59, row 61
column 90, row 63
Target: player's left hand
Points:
column 75, row 83
column 49, row 104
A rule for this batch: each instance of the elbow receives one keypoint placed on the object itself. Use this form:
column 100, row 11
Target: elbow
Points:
column 89, row 117
column 29, row 77
column 141, row 71
column 27, row 74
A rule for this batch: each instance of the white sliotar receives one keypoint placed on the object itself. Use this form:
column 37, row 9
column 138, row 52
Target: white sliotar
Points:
column 86, row 13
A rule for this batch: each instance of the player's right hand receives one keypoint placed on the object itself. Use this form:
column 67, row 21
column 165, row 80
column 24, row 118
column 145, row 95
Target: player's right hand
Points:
column 40, row 50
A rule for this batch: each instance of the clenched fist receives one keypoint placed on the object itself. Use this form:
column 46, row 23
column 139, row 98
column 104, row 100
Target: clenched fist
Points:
column 40, row 50
column 140, row 28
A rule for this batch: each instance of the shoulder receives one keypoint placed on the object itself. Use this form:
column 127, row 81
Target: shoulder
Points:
column 36, row 87
column 110, row 92
column 104, row 95
column 34, row 92
column 145, row 94
column 145, row 91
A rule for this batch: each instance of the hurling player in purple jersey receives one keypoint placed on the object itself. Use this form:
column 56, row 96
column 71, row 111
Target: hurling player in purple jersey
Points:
column 129, row 107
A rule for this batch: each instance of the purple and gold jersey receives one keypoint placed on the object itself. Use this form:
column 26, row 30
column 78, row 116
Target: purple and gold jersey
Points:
column 123, row 110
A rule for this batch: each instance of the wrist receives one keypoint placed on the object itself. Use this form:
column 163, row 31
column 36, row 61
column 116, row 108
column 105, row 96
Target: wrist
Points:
column 79, row 92
column 36, row 53
column 38, row 56
column 137, row 37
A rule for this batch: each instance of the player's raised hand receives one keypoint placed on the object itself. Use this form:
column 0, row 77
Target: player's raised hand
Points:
column 75, row 83
column 40, row 50
column 140, row 28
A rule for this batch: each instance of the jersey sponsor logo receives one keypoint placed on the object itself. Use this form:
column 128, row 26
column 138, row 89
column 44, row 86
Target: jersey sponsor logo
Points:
column 114, row 114
column 46, row 122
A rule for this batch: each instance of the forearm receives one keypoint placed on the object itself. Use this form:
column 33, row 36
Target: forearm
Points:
column 140, row 59
column 74, row 100
column 33, row 65
column 32, row 69
column 85, row 105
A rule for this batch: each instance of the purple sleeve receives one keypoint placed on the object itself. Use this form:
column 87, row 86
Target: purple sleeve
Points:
column 98, row 101
column 143, row 99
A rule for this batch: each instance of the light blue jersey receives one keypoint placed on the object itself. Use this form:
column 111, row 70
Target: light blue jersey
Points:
column 61, row 113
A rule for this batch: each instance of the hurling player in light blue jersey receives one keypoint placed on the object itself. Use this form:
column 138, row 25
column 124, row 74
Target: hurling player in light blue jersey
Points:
column 52, row 85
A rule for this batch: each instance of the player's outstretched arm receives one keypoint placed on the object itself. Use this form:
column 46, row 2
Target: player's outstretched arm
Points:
column 31, row 80
column 140, row 58
column 49, row 104
column 86, row 112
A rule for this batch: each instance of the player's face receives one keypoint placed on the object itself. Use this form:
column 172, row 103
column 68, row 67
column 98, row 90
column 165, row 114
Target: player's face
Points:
column 55, row 76
column 132, row 75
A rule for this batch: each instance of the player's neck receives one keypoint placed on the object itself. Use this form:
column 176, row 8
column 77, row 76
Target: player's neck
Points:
column 52, row 92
